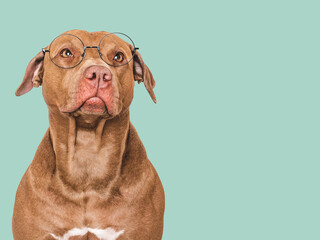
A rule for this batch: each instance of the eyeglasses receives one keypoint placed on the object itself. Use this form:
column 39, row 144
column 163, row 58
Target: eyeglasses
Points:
column 67, row 50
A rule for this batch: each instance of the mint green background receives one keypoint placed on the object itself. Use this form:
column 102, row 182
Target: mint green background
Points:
column 235, row 133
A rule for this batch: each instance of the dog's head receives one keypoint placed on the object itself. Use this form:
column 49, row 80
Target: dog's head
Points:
column 94, row 81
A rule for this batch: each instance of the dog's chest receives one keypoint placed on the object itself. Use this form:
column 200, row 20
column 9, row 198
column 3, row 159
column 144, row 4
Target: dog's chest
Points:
column 94, row 217
column 91, row 233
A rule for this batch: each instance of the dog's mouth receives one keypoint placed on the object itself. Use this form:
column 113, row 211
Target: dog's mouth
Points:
column 94, row 105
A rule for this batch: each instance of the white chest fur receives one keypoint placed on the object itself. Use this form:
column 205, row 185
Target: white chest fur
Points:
column 103, row 234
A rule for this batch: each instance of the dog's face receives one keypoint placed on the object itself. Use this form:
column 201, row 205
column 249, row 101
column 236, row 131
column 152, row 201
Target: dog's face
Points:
column 93, row 87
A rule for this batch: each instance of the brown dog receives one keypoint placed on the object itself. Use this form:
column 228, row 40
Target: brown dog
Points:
column 90, row 177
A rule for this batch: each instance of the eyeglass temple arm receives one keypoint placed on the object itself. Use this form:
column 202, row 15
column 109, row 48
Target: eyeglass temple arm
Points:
column 134, row 50
column 44, row 51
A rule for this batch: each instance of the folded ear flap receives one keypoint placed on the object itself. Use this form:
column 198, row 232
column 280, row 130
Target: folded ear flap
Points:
column 32, row 76
column 143, row 74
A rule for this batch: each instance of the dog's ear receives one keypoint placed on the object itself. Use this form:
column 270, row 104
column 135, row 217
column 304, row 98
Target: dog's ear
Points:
column 143, row 74
column 32, row 76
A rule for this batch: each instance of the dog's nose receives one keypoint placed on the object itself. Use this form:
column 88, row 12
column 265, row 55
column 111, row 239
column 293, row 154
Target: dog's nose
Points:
column 98, row 76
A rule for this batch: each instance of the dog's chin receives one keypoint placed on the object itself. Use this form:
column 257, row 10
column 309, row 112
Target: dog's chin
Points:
column 89, row 117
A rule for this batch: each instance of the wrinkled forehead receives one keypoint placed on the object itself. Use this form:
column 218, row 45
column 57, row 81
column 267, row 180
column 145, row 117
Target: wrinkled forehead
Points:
column 94, row 38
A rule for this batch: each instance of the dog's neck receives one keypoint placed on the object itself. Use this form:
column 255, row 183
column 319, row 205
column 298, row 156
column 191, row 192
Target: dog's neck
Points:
column 88, row 157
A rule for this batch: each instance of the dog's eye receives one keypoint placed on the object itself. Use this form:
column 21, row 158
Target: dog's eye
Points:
column 118, row 57
column 66, row 53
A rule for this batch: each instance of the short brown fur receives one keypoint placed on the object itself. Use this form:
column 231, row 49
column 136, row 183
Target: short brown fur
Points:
column 89, row 170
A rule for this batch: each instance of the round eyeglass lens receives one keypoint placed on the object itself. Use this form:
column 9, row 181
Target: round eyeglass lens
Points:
column 66, row 51
column 115, row 50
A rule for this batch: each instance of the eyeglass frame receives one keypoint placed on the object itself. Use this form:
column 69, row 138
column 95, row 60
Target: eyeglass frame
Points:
column 85, row 47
